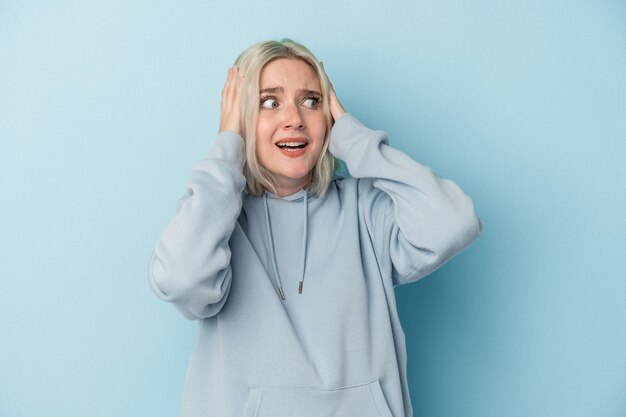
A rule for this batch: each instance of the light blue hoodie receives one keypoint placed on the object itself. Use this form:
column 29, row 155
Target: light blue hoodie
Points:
column 336, row 348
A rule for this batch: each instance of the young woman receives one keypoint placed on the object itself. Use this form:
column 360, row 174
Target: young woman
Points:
column 265, row 211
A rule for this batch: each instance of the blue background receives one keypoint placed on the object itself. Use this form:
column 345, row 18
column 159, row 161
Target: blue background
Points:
column 105, row 107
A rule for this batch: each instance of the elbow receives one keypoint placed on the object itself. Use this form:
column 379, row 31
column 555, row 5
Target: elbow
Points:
column 454, row 238
column 466, row 231
column 195, row 308
column 195, row 295
column 470, row 229
column 462, row 221
column 450, row 239
column 465, row 225
column 154, row 280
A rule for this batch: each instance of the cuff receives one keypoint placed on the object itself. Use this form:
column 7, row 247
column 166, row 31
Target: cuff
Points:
column 228, row 145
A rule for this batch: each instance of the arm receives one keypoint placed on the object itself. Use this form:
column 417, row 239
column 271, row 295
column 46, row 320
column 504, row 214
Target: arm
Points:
column 190, row 265
column 416, row 220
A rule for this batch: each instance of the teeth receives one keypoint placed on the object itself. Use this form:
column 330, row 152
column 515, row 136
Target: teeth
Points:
column 291, row 144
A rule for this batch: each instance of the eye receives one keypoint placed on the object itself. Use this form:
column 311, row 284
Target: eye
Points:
column 312, row 102
column 269, row 102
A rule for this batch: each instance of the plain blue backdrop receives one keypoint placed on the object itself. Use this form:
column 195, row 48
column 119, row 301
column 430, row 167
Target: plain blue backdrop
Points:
column 105, row 106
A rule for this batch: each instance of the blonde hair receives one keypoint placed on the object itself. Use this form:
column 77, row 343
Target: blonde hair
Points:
column 250, row 63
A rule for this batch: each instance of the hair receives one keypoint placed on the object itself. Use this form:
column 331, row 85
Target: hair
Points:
column 250, row 63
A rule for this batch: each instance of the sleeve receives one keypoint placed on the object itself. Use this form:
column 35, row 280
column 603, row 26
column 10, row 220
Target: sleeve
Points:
column 190, row 264
column 416, row 221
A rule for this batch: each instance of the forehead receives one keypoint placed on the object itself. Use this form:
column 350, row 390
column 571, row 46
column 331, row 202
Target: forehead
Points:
column 287, row 73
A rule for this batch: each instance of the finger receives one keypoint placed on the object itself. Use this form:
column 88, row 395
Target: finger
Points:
column 232, row 82
column 235, row 84
column 331, row 93
column 232, row 88
column 239, row 80
column 226, row 86
column 330, row 86
column 227, row 82
column 238, row 87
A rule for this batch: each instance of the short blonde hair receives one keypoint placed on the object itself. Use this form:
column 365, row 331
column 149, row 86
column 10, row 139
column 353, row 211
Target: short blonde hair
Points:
column 250, row 63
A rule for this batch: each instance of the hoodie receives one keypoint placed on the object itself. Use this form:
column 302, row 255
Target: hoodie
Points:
column 294, row 295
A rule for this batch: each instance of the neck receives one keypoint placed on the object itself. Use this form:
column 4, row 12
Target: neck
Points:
column 283, row 190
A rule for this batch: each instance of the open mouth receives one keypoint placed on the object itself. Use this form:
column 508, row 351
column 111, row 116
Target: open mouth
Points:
column 291, row 146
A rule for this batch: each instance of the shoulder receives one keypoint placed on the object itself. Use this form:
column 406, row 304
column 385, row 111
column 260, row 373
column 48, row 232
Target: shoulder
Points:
column 354, row 188
column 344, row 182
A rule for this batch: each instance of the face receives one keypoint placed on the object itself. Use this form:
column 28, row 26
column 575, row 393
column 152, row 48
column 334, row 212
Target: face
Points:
column 290, row 115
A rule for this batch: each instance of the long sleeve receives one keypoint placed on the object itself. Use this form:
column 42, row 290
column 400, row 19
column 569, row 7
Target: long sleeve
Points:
column 190, row 264
column 416, row 220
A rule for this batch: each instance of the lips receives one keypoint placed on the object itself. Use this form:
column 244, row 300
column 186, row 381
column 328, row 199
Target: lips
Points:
column 292, row 147
column 294, row 139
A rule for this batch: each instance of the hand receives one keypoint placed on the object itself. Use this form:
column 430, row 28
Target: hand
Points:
column 231, row 107
column 336, row 109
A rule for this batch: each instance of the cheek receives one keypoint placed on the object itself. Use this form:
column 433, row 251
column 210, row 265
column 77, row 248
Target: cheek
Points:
column 316, row 123
column 320, row 129
column 264, row 132
column 262, row 127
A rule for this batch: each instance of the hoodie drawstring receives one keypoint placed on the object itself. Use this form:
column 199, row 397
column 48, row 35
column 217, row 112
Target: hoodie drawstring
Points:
column 270, row 242
column 306, row 222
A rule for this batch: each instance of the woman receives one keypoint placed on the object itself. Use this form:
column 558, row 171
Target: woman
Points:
column 264, row 210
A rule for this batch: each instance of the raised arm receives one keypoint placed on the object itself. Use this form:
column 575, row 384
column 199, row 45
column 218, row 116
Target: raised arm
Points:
column 416, row 220
column 190, row 264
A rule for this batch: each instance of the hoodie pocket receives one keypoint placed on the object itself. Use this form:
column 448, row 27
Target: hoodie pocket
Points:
column 365, row 400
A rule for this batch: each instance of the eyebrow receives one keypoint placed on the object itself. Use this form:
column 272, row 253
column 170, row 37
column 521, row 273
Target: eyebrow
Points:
column 280, row 90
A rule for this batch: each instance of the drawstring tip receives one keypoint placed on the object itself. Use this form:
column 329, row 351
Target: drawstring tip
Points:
column 281, row 293
column 300, row 287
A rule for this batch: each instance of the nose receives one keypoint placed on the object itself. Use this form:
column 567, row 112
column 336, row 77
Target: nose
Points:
column 292, row 117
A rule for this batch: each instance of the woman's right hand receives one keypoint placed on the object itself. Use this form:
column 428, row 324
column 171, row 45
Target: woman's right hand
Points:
column 231, row 107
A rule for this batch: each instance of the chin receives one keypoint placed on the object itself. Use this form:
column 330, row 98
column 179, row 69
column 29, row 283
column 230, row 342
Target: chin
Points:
column 295, row 177
column 297, row 173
